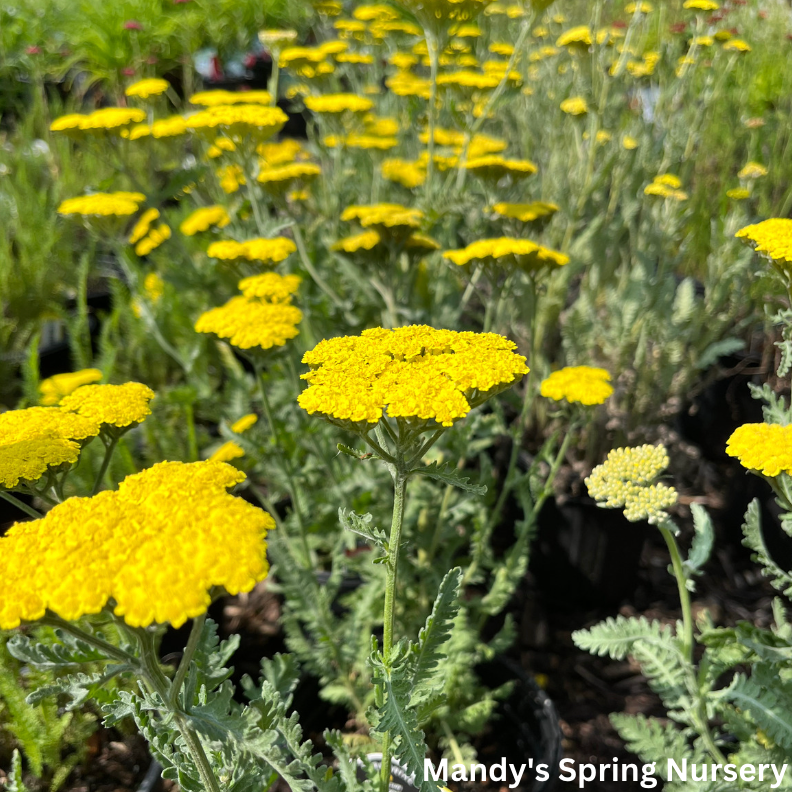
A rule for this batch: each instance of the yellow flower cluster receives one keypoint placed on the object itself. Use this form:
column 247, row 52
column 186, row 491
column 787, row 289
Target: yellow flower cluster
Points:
column 143, row 89
column 281, row 153
column 666, row 185
column 384, row 217
column 54, row 388
column 575, row 105
column 771, row 237
column 117, row 204
column 701, row 5
column 338, row 103
column 228, row 451
column 408, row 173
column 625, row 479
column 35, row 439
column 284, row 175
column 144, row 237
column 266, row 251
column 493, row 166
column 220, row 97
column 128, row 546
column 106, row 119
column 583, row 384
column 203, row 219
column 239, row 121
column 752, row 170
column 763, row 447
column 469, row 79
column 414, row 372
column 526, row 213
column 119, row 406
column 405, row 83
column 271, row 286
column 575, row 37
column 527, row 255
column 244, row 423
column 141, row 228
column 367, row 142
column 261, row 317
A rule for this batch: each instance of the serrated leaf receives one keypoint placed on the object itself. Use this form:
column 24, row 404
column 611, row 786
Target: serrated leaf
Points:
column 702, row 543
column 768, row 700
column 14, row 782
column 78, row 687
column 396, row 717
column 362, row 526
column 449, row 474
column 652, row 644
column 70, row 651
column 434, row 635
column 651, row 739
column 753, row 539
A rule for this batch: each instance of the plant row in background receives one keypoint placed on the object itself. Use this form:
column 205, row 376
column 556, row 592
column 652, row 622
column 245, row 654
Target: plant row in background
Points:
column 490, row 199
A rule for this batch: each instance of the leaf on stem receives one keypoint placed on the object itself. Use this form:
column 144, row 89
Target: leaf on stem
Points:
column 449, row 474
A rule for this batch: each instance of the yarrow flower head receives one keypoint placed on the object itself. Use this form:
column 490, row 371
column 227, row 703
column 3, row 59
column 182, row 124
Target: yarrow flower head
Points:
column 118, row 406
column 37, row 439
column 220, row 97
column 625, row 481
column 203, row 219
column 141, row 228
column 54, row 388
column 252, row 323
column 575, row 106
column 386, row 218
column 108, row 119
column 752, row 170
column 266, row 251
column 117, row 204
column 227, row 452
column 508, row 251
column 137, row 547
column 417, row 373
column 583, row 384
column 244, row 423
column 493, row 166
column 576, row 37
column 338, row 103
column 240, row 121
column 773, row 239
column 526, row 213
column 666, row 185
column 763, row 447
column 271, row 286
column 144, row 89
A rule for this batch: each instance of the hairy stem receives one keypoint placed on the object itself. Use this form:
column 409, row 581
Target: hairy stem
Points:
column 184, row 665
column 109, row 448
column 394, row 542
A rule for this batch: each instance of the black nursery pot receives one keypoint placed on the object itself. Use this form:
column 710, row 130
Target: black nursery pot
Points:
column 525, row 728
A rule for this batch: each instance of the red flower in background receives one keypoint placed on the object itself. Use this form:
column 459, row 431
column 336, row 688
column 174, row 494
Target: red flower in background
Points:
column 678, row 27
column 33, row 51
column 128, row 72
column 132, row 24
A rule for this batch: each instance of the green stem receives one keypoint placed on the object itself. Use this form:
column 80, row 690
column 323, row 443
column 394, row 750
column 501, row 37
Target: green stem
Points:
column 109, row 448
column 394, row 543
column 684, row 594
column 158, row 681
column 29, row 510
column 184, row 665
column 308, row 264
column 51, row 620
column 700, row 712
